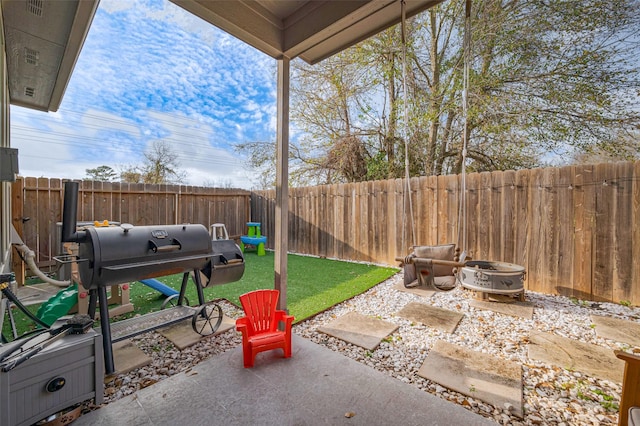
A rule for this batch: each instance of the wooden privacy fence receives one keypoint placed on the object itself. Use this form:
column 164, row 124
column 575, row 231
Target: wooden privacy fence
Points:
column 575, row 229
column 37, row 208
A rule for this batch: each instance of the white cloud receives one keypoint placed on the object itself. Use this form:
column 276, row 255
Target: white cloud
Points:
column 149, row 70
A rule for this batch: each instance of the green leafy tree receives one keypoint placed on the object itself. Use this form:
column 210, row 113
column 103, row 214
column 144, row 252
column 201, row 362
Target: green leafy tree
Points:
column 549, row 81
column 627, row 148
column 101, row 173
column 214, row 183
column 543, row 82
column 328, row 101
column 552, row 77
column 130, row 174
column 261, row 157
column 160, row 166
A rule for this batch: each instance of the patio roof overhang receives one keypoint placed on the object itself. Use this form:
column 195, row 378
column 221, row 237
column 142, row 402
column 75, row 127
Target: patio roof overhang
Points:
column 310, row 29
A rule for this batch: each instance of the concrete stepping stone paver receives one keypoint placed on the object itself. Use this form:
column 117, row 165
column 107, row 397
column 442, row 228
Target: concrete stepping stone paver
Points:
column 617, row 329
column 432, row 316
column 482, row 376
column 183, row 336
column 573, row 355
column 127, row 356
column 361, row 330
column 418, row 291
column 515, row 309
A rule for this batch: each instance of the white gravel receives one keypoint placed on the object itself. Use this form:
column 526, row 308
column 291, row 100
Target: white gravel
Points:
column 552, row 395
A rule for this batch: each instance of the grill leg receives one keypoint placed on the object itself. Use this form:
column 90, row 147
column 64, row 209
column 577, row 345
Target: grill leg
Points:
column 109, row 367
column 196, row 279
column 93, row 301
column 183, row 288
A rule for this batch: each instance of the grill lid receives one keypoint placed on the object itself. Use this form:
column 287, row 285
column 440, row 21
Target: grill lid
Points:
column 115, row 255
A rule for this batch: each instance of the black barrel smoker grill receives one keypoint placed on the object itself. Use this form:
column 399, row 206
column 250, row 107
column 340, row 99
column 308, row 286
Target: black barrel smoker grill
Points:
column 109, row 256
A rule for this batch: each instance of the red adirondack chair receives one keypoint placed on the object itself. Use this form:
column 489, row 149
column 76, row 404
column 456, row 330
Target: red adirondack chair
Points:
column 259, row 326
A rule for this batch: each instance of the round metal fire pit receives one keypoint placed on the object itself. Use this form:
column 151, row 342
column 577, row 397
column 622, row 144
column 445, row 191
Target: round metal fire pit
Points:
column 492, row 277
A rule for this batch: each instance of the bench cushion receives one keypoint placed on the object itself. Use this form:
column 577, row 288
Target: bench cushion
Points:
column 441, row 252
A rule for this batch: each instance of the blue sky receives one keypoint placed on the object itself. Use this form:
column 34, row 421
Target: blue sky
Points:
column 151, row 71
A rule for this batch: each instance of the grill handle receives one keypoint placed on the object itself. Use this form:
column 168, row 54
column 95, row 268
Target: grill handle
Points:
column 174, row 246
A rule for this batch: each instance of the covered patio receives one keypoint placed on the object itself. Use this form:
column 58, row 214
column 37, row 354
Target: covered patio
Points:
column 315, row 386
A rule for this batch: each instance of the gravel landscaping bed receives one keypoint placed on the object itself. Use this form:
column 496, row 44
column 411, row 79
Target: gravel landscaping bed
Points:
column 552, row 395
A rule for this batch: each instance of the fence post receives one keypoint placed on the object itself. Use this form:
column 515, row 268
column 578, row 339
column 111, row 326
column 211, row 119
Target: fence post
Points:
column 17, row 213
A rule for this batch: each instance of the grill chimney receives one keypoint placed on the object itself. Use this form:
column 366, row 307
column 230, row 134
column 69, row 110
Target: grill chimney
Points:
column 69, row 215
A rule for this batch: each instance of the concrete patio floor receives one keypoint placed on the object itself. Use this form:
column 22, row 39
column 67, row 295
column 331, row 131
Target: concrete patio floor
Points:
column 315, row 386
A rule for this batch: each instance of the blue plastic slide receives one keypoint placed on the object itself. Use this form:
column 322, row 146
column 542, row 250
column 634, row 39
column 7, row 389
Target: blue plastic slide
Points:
column 161, row 287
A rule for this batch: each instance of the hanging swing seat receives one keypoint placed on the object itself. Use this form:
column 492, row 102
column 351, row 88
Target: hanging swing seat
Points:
column 436, row 267
column 432, row 267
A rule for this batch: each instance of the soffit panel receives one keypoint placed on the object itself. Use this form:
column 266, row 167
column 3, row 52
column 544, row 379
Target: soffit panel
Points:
column 312, row 29
column 32, row 65
column 49, row 20
column 259, row 29
column 358, row 27
column 42, row 42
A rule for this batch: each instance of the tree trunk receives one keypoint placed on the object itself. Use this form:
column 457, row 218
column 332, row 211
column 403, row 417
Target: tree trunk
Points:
column 389, row 140
column 434, row 101
column 446, row 135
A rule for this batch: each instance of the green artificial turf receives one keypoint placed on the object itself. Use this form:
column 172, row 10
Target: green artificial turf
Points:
column 313, row 285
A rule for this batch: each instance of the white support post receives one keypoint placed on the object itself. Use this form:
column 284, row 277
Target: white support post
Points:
column 281, row 239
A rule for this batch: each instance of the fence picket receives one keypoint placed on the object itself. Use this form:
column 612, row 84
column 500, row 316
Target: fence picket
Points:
column 622, row 238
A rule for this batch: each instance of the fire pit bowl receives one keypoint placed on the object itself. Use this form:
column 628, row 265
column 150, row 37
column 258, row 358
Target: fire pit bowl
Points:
column 493, row 277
